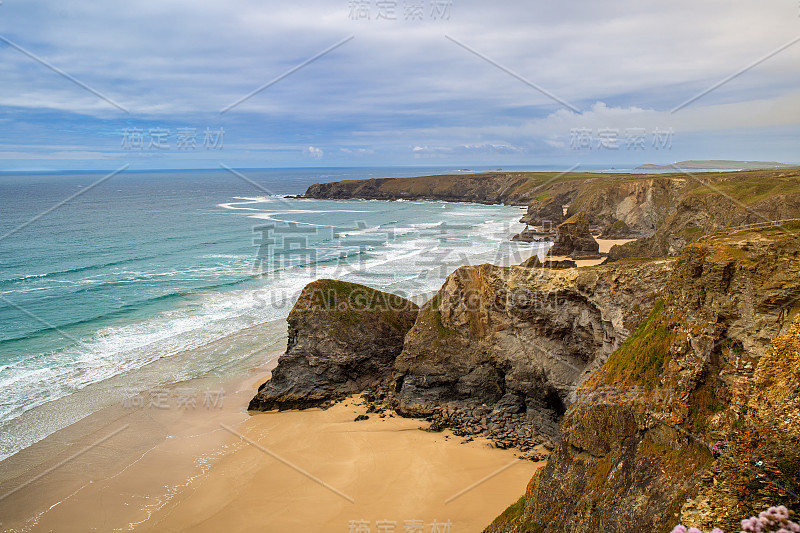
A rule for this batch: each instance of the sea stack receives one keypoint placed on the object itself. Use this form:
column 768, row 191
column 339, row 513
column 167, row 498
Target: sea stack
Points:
column 575, row 240
column 343, row 339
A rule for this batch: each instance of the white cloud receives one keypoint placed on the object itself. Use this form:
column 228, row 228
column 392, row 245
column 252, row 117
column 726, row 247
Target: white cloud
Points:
column 400, row 83
column 314, row 152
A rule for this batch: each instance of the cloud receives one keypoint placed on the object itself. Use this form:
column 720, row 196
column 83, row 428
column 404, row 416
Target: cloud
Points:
column 314, row 153
column 397, row 83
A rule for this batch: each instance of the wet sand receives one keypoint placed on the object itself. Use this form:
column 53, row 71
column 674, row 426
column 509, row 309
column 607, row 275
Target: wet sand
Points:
column 162, row 467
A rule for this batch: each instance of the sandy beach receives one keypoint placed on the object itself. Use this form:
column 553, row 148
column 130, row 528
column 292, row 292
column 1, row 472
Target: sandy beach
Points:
column 216, row 467
column 191, row 458
column 605, row 246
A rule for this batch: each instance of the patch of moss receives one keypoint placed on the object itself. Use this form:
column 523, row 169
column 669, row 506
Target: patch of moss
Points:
column 512, row 517
column 640, row 359
column 619, row 225
column 434, row 317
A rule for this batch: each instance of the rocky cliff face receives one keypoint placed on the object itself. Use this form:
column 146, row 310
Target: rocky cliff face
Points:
column 711, row 203
column 516, row 341
column 627, row 207
column 494, row 188
column 665, row 211
column 715, row 362
column 343, row 339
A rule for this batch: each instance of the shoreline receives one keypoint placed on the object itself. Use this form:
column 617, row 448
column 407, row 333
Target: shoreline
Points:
column 111, row 455
column 204, row 469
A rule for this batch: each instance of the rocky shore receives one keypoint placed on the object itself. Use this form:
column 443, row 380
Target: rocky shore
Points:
column 666, row 384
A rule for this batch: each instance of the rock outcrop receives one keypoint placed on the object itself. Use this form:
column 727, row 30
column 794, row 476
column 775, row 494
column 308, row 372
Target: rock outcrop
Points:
column 548, row 262
column 503, row 347
column 727, row 201
column 694, row 418
column 343, row 339
column 574, row 239
column 493, row 188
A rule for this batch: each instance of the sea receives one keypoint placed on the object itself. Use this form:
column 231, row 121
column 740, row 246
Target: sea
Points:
column 116, row 283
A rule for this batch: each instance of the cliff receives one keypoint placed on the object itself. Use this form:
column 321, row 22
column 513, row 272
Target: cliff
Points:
column 665, row 212
column 725, row 201
column 343, row 339
column 574, row 239
column 695, row 417
column 500, row 350
column 514, row 188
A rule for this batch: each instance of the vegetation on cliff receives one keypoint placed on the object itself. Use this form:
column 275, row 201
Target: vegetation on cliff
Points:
column 665, row 212
column 695, row 418
column 343, row 339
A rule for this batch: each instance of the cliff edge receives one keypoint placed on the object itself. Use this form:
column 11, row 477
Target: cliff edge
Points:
column 695, row 418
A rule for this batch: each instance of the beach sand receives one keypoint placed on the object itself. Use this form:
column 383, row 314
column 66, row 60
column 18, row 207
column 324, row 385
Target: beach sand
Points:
column 216, row 468
column 605, row 246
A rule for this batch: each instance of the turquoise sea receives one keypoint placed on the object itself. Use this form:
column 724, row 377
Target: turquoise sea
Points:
column 144, row 279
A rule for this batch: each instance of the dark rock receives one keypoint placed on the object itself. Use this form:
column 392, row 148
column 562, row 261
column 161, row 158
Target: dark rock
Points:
column 534, row 235
column 574, row 238
column 343, row 339
column 535, row 262
column 498, row 343
column 359, row 418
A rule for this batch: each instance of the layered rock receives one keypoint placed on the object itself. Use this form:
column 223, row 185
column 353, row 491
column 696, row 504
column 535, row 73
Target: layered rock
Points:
column 343, row 339
column 574, row 239
column 727, row 202
column 535, row 262
column 715, row 363
column 495, row 188
column 516, row 341
column 549, row 210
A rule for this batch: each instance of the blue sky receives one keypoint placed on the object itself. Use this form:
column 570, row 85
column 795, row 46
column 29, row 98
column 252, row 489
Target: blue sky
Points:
column 453, row 83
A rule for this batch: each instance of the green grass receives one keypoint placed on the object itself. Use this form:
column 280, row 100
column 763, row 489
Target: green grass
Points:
column 752, row 187
column 335, row 294
column 435, row 317
column 640, row 359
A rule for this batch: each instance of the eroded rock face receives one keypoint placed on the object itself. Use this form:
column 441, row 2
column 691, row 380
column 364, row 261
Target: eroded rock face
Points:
column 518, row 340
column 715, row 361
column 343, row 339
column 535, row 262
column 574, row 239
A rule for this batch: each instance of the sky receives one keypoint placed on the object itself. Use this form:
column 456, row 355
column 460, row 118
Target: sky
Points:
column 264, row 84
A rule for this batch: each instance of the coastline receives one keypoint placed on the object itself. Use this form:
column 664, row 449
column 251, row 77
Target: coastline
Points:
column 190, row 468
column 165, row 461
column 139, row 463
